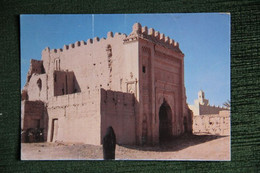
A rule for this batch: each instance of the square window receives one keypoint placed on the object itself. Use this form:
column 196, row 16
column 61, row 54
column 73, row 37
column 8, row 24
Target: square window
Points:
column 144, row 69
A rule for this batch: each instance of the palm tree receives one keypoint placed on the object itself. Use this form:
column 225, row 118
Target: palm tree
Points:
column 227, row 104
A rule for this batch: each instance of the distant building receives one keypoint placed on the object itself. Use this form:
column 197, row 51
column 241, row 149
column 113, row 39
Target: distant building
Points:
column 134, row 83
column 207, row 119
column 202, row 107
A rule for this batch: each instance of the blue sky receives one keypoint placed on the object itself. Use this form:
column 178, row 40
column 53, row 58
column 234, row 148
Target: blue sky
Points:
column 204, row 38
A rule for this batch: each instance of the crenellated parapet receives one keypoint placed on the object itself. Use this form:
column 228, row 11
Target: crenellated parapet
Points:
column 89, row 42
column 150, row 34
column 137, row 32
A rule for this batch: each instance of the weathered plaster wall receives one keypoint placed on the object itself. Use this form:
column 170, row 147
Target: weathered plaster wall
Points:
column 160, row 77
column 147, row 111
column 118, row 111
column 194, row 109
column 97, row 63
column 207, row 109
column 215, row 124
column 36, row 87
column 64, row 83
column 34, row 111
column 77, row 118
column 36, row 67
column 33, row 115
column 168, row 85
column 199, row 109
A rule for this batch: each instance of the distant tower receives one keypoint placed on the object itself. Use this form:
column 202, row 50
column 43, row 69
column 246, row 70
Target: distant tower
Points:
column 201, row 98
column 201, row 106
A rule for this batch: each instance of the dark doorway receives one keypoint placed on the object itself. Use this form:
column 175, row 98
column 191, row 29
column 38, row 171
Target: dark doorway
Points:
column 54, row 132
column 165, row 125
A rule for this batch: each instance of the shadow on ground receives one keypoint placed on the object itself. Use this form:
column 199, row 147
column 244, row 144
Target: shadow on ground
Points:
column 176, row 143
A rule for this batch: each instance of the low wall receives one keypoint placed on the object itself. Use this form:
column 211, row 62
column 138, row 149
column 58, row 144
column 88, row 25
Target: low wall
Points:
column 118, row 111
column 74, row 99
column 208, row 109
column 84, row 117
column 75, row 118
column 215, row 124
column 33, row 116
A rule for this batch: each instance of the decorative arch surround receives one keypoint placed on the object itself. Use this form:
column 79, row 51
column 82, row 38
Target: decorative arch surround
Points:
column 165, row 122
column 163, row 96
column 170, row 101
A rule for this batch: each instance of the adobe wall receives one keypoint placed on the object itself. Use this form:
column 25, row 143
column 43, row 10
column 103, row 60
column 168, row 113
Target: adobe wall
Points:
column 34, row 111
column 194, row 109
column 207, row 109
column 169, row 85
column 37, row 87
column 77, row 118
column 214, row 124
column 64, row 83
column 36, row 67
column 33, row 115
column 161, row 76
column 97, row 63
column 202, row 107
column 187, row 119
column 118, row 111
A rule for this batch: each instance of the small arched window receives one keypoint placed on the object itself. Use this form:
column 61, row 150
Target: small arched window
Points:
column 57, row 64
column 39, row 84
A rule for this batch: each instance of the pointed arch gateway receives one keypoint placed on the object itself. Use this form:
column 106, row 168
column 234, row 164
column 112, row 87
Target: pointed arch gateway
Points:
column 165, row 122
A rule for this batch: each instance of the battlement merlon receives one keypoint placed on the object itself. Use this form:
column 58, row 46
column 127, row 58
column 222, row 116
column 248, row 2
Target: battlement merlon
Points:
column 137, row 32
column 90, row 41
column 155, row 36
column 48, row 54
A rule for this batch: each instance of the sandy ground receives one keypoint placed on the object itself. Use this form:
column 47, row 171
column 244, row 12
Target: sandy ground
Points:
column 187, row 147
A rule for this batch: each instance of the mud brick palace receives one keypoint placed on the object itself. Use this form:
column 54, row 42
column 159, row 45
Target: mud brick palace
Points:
column 134, row 83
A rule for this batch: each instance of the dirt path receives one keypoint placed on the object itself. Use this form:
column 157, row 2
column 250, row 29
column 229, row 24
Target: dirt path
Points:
column 183, row 148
